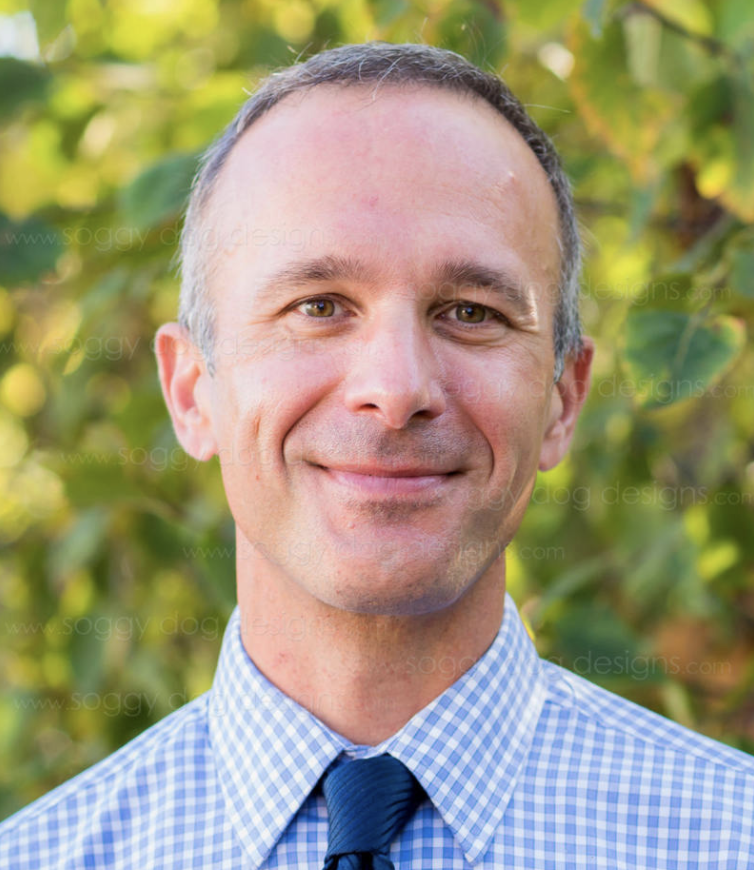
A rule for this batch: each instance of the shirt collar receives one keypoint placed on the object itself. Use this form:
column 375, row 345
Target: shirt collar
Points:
column 467, row 747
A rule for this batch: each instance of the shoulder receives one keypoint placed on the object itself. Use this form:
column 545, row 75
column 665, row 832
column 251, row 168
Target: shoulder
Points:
column 608, row 754
column 85, row 821
column 622, row 722
column 642, row 790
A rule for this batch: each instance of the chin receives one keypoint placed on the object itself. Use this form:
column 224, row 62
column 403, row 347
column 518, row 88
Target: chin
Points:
column 394, row 594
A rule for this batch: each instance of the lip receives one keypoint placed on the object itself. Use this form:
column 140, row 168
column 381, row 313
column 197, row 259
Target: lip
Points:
column 391, row 482
column 384, row 471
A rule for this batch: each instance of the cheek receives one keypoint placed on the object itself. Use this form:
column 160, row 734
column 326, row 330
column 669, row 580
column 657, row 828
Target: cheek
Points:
column 264, row 398
column 507, row 388
column 510, row 416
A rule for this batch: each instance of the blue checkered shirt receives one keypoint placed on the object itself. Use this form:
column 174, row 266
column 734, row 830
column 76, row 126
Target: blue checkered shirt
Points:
column 525, row 766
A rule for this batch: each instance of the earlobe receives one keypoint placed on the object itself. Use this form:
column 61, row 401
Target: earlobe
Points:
column 569, row 395
column 184, row 381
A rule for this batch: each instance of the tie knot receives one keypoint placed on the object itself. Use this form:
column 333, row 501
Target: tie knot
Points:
column 368, row 802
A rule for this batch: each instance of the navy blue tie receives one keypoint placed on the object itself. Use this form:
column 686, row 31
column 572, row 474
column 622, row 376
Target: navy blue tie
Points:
column 368, row 801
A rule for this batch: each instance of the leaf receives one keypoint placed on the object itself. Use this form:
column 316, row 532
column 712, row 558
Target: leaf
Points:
column 735, row 24
column 50, row 18
column 743, row 130
column 475, row 31
column 643, row 199
column 722, row 142
column 21, row 82
column 740, row 257
column 86, row 654
column 673, row 356
column 80, row 544
column 710, row 102
column 669, row 291
column 643, row 39
column 388, row 11
column 630, row 119
column 595, row 641
column 664, row 564
column 98, row 480
column 543, row 14
column 594, row 15
column 691, row 15
column 566, row 585
column 159, row 192
column 27, row 249
column 684, row 63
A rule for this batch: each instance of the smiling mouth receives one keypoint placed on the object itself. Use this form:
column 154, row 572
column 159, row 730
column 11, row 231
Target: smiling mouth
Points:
column 393, row 482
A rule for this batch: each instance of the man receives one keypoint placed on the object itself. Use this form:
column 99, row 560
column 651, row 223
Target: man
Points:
column 379, row 339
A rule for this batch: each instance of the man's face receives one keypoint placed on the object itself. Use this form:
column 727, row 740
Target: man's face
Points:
column 385, row 291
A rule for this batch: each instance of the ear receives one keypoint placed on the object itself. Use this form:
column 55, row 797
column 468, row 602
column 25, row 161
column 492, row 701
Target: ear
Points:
column 186, row 388
column 568, row 397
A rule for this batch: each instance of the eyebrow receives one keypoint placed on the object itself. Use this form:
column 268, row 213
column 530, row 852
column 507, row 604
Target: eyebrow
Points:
column 450, row 273
column 501, row 282
column 318, row 270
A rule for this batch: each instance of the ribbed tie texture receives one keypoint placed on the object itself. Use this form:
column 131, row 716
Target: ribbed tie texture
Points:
column 368, row 801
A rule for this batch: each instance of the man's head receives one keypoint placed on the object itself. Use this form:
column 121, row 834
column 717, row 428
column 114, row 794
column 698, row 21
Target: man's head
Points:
column 383, row 392
column 377, row 64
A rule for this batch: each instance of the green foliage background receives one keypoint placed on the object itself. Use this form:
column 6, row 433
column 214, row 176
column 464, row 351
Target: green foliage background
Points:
column 634, row 566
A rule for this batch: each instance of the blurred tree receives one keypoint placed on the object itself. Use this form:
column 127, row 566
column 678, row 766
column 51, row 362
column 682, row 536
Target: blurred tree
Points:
column 635, row 564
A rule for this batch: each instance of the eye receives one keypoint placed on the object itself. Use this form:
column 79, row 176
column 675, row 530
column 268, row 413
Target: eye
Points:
column 473, row 313
column 470, row 313
column 321, row 307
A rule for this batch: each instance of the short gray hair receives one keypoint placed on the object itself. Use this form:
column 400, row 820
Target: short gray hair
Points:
column 378, row 63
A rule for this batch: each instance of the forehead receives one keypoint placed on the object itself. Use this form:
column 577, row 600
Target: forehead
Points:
column 398, row 170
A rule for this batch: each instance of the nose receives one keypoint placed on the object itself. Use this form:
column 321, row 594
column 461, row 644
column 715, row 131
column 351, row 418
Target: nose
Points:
column 395, row 373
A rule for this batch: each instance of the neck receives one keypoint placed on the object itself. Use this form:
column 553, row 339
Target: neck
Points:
column 363, row 675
